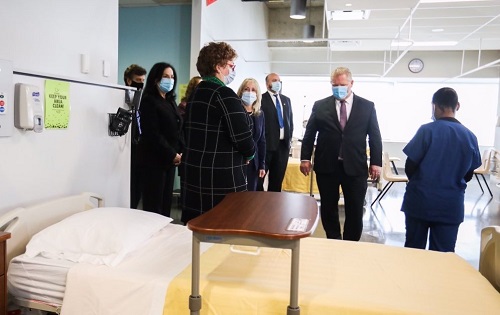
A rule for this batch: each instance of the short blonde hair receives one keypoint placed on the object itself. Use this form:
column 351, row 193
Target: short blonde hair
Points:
column 256, row 105
column 340, row 71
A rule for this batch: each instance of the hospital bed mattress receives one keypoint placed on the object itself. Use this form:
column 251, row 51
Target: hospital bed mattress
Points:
column 38, row 278
column 146, row 272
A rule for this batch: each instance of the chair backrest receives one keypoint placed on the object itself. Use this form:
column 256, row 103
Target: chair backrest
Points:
column 486, row 160
column 386, row 167
column 489, row 256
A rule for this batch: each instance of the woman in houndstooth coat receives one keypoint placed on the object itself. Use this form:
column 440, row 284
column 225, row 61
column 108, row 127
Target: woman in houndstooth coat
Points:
column 218, row 135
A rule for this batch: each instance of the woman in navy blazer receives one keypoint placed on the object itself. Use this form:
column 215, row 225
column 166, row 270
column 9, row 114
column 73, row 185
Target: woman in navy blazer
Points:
column 249, row 92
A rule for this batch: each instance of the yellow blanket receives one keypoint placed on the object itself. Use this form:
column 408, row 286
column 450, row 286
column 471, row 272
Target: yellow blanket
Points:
column 295, row 181
column 336, row 277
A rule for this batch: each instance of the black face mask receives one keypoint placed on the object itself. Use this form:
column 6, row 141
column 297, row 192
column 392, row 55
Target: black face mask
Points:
column 137, row 85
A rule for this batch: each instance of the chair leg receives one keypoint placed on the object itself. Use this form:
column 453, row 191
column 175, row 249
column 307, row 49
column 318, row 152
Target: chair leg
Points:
column 392, row 183
column 379, row 194
column 487, row 186
column 479, row 182
column 394, row 168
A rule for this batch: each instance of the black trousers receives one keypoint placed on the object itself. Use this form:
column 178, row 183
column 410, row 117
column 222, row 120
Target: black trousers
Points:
column 135, row 178
column 276, row 162
column 354, row 190
column 157, row 189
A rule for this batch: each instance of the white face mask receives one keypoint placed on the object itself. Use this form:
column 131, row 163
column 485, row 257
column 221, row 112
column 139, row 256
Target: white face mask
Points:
column 276, row 86
column 248, row 97
column 230, row 77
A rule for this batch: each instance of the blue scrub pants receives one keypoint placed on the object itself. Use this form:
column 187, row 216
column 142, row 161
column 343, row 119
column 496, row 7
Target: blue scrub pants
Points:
column 442, row 236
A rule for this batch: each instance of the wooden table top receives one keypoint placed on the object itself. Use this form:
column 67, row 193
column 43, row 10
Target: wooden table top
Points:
column 258, row 213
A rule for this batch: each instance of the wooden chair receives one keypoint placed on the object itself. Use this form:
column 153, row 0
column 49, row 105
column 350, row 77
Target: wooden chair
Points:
column 489, row 257
column 484, row 169
column 389, row 176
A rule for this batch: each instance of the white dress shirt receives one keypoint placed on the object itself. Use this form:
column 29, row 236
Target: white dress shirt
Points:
column 282, row 130
column 348, row 106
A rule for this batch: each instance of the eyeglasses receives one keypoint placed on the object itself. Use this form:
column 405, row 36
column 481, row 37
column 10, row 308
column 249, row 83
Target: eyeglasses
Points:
column 232, row 66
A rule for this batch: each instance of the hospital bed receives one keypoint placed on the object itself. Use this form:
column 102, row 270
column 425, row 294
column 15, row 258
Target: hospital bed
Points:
column 336, row 277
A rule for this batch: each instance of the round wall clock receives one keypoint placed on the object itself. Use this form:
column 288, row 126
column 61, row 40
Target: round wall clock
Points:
column 416, row 65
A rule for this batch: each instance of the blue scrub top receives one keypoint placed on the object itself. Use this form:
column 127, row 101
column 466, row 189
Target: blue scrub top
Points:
column 445, row 151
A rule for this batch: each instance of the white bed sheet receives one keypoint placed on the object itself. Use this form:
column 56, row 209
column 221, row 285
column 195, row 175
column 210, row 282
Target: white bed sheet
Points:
column 38, row 278
column 137, row 285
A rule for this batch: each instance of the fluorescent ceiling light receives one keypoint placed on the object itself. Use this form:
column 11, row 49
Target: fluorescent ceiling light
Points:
column 423, row 44
column 346, row 15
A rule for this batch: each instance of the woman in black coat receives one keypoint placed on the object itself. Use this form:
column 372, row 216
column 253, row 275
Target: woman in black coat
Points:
column 161, row 144
column 218, row 133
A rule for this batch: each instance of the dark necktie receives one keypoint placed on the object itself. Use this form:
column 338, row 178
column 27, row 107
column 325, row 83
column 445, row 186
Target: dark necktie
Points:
column 343, row 120
column 278, row 110
column 343, row 114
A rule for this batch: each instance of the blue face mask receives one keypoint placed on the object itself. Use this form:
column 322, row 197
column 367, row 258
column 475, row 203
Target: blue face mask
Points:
column 166, row 85
column 339, row 92
column 230, row 77
column 248, row 97
column 276, row 86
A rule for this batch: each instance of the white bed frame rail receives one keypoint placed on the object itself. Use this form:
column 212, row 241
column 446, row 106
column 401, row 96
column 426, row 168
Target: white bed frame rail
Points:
column 25, row 222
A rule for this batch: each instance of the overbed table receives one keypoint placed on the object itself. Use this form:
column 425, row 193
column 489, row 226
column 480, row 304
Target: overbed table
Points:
column 257, row 218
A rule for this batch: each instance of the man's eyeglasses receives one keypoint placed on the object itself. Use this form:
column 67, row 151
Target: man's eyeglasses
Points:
column 232, row 66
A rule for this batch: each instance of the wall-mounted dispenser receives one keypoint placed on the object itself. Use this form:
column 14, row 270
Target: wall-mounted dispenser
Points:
column 119, row 122
column 29, row 107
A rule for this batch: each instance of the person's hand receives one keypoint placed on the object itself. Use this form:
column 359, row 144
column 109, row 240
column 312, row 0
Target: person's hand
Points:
column 262, row 173
column 177, row 159
column 305, row 167
column 375, row 171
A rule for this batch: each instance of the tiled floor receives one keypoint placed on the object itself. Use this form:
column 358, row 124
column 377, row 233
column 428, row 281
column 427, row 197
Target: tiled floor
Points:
column 385, row 222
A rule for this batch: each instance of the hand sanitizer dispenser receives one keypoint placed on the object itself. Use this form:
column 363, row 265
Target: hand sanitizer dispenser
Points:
column 29, row 107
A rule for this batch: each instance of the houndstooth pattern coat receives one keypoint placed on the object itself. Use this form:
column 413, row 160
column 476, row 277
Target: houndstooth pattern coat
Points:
column 218, row 135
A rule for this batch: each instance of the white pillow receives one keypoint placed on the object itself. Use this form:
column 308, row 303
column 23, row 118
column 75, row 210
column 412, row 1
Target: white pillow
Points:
column 97, row 236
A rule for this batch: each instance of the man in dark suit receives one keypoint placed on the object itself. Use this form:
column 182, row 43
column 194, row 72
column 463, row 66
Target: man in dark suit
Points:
column 277, row 109
column 342, row 122
column 135, row 76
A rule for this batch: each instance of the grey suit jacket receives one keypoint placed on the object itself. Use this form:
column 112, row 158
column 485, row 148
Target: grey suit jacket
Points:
column 324, row 123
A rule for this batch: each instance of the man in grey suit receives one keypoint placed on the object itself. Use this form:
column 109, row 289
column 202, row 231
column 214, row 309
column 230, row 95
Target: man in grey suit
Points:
column 342, row 122
column 277, row 109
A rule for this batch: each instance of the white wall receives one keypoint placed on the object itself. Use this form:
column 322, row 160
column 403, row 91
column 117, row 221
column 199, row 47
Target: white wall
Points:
column 227, row 20
column 44, row 38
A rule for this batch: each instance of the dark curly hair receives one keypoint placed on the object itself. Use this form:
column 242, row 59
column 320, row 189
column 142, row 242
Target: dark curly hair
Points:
column 132, row 70
column 212, row 55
